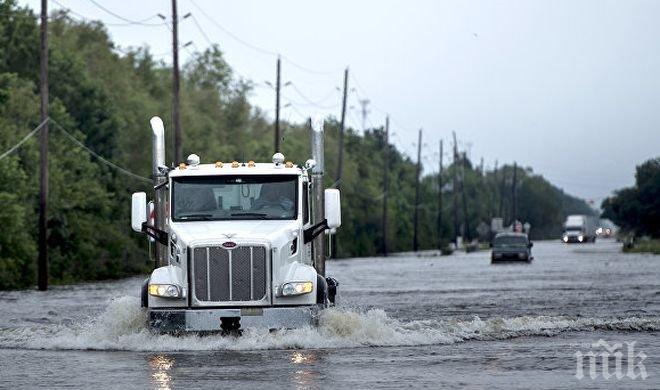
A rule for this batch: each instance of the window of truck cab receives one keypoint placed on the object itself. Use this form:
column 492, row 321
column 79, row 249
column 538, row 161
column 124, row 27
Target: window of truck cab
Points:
column 234, row 198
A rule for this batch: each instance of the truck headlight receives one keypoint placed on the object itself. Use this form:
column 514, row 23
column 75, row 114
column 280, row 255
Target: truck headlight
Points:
column 165, row 290
column 565, row 238
column 580, row 238
column 296, row 288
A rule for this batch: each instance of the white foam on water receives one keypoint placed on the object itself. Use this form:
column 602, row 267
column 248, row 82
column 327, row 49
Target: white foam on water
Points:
column 122, row 326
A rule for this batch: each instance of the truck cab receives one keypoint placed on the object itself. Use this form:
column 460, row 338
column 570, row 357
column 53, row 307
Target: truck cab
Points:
column 579, row 229
column 236, row 246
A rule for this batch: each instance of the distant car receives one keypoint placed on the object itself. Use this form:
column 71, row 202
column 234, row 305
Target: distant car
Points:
column 511, row 247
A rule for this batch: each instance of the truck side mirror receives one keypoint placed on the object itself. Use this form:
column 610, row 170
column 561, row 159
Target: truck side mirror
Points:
column 138, row 210
column 332, row 208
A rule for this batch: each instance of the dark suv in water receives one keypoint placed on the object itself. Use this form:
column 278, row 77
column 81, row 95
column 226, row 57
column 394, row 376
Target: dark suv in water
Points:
column 511, row 247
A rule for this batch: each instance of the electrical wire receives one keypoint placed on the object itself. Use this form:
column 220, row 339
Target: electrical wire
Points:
column 313, row 103
column 256, row 48
column 23, row 140
column 129, row 21
column 232, row 35
column 84, row 18
column 98, row 156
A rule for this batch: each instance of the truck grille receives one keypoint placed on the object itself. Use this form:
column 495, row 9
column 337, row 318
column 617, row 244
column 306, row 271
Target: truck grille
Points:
column 229, row 275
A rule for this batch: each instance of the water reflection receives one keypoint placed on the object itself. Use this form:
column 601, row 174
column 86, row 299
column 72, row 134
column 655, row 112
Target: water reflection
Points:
column 305, row 377
column 160, row 366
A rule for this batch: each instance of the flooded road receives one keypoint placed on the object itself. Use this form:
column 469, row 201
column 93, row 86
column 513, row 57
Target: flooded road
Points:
column 454, row 321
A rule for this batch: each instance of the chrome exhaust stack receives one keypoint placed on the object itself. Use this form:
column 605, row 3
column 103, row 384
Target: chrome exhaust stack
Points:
column 159, row 171
column 158, row 146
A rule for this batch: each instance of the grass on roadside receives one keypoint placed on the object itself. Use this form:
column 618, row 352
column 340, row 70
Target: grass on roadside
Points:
column 644, row 246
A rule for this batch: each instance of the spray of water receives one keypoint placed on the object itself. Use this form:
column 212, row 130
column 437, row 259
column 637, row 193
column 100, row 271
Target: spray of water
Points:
column 122, row 326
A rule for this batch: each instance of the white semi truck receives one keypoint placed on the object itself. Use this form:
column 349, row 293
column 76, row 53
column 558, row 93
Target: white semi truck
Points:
column 579, row 229
column 237, row 244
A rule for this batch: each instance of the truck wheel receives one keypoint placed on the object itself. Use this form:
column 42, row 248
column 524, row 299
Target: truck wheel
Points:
column 144, row 297
column 332, row 289
column 321, row 291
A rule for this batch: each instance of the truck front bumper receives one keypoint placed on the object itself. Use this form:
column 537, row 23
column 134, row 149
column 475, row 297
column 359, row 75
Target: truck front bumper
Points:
column 202, row 320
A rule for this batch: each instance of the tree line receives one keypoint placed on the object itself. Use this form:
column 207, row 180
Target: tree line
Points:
column 104, row 98
column 636, row 209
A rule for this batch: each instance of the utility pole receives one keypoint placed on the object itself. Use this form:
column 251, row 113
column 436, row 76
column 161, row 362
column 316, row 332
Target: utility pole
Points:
column 386, row 180
column 493, row 199
column 340, row 163
column 465, row 207
column 440, row 201
column 455, row 189
column 176, row 118
column 417, row 179
column 514, row 194
column 340, row 159
column 364, row 103
column 318, row 213
column 278, row 135
column 501, row 191
column 42, row 279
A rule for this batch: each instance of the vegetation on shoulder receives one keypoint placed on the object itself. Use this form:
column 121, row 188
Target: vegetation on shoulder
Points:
column 643, row 246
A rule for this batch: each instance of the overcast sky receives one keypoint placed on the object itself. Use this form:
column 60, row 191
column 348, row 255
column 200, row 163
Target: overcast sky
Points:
column 570, row 88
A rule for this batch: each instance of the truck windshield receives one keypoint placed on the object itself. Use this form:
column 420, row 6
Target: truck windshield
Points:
column 209, row 198
column 509, row 241
column 572, row 228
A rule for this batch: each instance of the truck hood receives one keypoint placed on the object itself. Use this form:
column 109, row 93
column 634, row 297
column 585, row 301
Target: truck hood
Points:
column 271, row 231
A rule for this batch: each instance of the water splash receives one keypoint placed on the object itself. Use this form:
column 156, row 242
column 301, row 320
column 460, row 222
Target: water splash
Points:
column 122, row 326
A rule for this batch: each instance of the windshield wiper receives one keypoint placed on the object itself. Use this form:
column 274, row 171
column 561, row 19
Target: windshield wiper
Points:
column 196, row 217
column 256, row 215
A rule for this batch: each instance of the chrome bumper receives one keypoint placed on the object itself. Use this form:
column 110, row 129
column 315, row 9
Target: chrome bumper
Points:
column 202, row 320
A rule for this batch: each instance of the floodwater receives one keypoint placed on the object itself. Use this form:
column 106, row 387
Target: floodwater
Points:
column 403, row 321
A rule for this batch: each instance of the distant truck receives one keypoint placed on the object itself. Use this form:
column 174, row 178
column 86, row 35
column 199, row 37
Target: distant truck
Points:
column 511, row 247
column 580, row 229
column 237, row 244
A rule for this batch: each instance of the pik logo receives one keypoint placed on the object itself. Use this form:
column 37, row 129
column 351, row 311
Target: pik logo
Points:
column 601, row 349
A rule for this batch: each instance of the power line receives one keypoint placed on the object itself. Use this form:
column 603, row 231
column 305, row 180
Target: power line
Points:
column 129, row 21
column 22, row 141
column 98, row 156
column 84, row 18
column 313, row 103
column 256, row 48
column 234, row 36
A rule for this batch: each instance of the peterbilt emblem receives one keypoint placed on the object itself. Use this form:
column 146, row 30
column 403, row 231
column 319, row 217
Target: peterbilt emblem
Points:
column 229, row 245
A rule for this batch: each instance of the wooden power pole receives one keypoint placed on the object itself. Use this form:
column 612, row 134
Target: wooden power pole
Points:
column 340, row 157
column 386, row 180
column 176, row 118
column 417, row 179
column 455, row 190
column 514, row 194
column 340, row 160
column 278, row 135
column 440, row 200
column 466, row 218
column 42, row 265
